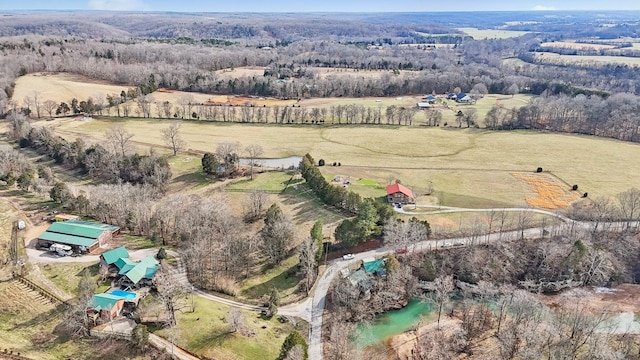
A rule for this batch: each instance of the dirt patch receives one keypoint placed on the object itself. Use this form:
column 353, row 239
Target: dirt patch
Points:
column 551, row 192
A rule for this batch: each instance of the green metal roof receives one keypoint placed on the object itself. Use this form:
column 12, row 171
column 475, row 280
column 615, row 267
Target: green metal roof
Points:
column 145, row 269
column 374, row 267
column 93, row 225
column 67, row 239
column 125, row 265
column 112, row 256
column 75, row 230
column 104, row 301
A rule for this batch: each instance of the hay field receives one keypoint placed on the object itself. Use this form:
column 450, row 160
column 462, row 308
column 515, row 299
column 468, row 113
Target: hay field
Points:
column 576, row 45
column 62, row 87
column 483, row 34
column 583, row 60
column 465, row 166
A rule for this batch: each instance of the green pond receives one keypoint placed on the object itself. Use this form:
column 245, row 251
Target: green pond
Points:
column 392, row 323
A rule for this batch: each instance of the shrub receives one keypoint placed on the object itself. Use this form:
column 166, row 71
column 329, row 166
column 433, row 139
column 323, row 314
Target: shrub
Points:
column 585, row 195
column 539, row 170
column 321, row 162
column 574, row 187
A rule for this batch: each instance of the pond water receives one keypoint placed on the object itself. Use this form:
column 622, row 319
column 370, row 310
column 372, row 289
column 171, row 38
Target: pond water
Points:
column 282, row 163
column 392, row 323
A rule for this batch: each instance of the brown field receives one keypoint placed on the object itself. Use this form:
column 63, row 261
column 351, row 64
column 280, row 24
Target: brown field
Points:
column 466, row 167
column 576, row 45
column 580, row 60
column 483, row 34
column 550, row 192
column 62, row 87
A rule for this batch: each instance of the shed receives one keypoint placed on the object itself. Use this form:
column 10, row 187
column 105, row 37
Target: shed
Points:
column 423, row 105
column 105, row 306
column 397, row 193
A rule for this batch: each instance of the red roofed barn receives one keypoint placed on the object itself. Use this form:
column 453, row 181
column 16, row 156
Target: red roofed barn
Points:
column 397, row 193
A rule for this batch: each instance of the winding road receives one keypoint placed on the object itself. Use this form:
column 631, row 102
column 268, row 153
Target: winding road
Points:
column 312, row 308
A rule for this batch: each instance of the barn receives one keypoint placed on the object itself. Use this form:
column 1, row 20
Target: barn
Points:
column 82, row 236
column 397, row 193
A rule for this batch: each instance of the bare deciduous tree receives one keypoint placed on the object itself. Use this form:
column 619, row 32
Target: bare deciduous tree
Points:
column 235, row 319
column 254, row 151
column 119, row 140
column 254, row 205
column 171, row 137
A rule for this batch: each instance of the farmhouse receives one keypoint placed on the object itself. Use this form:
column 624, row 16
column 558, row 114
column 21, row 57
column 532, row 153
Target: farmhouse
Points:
column 82, row 236
column 397, row 193
column 129, row 273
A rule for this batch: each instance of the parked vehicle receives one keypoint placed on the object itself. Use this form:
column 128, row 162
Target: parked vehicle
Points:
column 447, row 244
column 401, row 250
column 348, row 257
column 21, row 225
column 458, row 243
column 60, row 249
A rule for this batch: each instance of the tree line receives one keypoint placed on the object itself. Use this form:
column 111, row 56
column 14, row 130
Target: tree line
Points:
column 613, row 116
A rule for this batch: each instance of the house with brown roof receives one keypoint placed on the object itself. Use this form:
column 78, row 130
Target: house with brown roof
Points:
column 398, row 193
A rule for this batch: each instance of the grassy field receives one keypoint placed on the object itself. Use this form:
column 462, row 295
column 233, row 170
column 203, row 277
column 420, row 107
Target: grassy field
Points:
column 556, row 59
column 205, row 333
column 483, row 34
column 459, row 163
column 576, row 45
column 63, row 87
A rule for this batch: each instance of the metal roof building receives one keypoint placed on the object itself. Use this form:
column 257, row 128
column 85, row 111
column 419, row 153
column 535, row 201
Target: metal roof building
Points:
column 82, row 236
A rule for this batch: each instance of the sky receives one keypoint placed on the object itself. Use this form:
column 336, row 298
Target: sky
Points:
column 319, row 6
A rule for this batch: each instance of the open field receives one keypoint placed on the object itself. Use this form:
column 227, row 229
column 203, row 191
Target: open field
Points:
column 483, row 34
column 576, row 45
column 206, row 333
column 63, row 87
column 461, row 164
column 556, row 59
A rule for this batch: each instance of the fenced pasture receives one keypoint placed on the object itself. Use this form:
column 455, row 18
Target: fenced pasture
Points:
column 464, row 166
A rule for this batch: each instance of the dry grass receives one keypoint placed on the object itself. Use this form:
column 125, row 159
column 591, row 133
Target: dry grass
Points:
column 483, row 34
column 461, row 164
column 580, row 60
column 576, row 45
column 550, row 192
column 62, row 87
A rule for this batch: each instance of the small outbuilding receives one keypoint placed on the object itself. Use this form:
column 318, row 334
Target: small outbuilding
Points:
column 423, row 105
column 398, row 193
column 105, row 307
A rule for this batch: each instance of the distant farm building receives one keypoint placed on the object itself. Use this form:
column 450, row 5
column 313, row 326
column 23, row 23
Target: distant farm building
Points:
column 423, row 105
column 129, row 273
column 397, row 193
column 82, row 236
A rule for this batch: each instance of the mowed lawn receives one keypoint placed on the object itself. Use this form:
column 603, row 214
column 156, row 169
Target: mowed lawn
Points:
column 458, row 163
